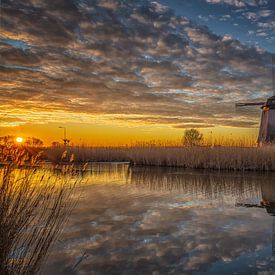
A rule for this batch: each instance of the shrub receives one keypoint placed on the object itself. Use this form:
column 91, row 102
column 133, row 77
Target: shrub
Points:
column 192, row 137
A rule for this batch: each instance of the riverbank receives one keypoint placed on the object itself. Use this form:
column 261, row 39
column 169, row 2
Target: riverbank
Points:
column 212, row 158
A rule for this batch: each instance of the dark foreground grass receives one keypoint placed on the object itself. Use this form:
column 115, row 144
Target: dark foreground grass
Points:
column 34, row 205
column 204, row 157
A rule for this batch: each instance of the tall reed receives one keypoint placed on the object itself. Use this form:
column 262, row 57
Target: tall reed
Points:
column 34, row 206
column 197, row 157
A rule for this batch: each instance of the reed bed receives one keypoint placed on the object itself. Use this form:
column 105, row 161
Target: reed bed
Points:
column 34, row 206
column 200, row 157
column 204, row 184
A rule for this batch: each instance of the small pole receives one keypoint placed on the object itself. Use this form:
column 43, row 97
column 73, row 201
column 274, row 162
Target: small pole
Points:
column 65, row 135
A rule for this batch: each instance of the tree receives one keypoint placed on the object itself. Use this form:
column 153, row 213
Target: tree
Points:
column 192, row 137
column 37, row 142
column 33, row 142
column 56, row 144
column 29, row 141
column 7, row 140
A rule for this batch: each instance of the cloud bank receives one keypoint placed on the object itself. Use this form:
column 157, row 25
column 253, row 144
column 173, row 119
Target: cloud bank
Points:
column 133, row 60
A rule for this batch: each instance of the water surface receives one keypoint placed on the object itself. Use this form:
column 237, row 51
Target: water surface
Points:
column 168, row 221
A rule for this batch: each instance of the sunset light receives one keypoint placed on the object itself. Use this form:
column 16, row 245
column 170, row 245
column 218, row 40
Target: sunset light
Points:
column 19, row 139
column 175, row 69
column 158, row 116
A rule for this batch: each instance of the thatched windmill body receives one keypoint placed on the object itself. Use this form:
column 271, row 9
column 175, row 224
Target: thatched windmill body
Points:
column 267, row 126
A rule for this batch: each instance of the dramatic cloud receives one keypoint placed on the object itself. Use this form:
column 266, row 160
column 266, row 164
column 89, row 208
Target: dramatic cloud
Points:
column 239, row 3
column 122, row 60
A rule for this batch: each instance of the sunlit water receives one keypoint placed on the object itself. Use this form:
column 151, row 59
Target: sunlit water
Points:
column 168, row 221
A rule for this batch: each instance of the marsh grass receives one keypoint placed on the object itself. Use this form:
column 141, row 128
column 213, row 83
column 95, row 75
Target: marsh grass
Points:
column 34, row 206
column 196, row 157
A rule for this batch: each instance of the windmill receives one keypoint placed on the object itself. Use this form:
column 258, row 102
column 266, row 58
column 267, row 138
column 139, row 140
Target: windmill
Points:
column 267, row 126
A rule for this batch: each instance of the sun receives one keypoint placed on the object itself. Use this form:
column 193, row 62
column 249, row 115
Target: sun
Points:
column 19, row 139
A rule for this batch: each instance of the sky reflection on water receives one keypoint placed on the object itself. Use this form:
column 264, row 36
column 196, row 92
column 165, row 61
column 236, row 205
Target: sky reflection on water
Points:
column 167, row 221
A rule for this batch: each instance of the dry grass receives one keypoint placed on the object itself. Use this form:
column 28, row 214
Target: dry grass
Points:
column 205, row 157
column 34, row 208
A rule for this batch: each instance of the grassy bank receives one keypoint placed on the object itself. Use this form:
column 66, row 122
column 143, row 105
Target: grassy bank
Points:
column 217, row 158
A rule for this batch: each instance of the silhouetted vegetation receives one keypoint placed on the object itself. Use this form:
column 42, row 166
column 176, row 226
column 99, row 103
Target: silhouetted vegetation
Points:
column 195, row 157
column 192, row 137
column 34, row 206
column 28, row 141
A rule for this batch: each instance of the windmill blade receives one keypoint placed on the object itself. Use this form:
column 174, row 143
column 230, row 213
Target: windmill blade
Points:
column 248, row 205
column 250, row 104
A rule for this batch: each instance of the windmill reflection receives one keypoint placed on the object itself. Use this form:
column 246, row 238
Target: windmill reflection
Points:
column 268, row 197
column 241, row 190
column 267, row 202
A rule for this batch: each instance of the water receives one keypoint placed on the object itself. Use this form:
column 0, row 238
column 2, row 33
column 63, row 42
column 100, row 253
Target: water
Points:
column 168, row 221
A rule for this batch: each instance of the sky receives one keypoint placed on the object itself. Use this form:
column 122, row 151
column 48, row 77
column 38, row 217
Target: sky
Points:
column 116, row 72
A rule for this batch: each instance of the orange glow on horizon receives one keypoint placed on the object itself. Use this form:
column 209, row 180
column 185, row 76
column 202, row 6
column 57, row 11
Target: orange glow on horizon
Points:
column 114, row 135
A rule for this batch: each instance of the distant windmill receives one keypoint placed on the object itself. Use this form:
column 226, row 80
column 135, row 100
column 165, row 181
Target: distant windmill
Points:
column 267, row 126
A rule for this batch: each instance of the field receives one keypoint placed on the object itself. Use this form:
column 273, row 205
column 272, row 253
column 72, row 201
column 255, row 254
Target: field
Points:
column 197, row 157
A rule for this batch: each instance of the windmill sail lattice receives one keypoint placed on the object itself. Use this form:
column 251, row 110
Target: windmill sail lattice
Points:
column 267, row 126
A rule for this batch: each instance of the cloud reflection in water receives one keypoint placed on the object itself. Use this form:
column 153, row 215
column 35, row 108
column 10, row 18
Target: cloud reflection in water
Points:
column 159, row 221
